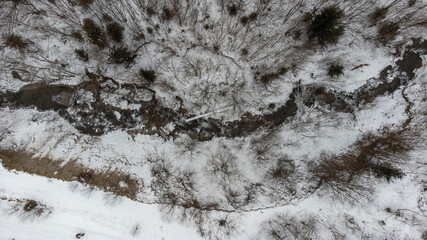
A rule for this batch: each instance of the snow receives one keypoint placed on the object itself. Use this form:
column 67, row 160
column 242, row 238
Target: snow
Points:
column 205, row 68
column 74, row 212
column 56, row 139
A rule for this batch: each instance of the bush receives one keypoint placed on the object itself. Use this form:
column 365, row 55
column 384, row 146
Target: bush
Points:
column 94, row 32
column 335, row 70
column 233, row 10
column 283, row 169
column 247, row 19
column 151, row 11
column 386, row 171
column 326, row 26
column 269, row 77
column 82, row 54
column 85, row 3
column 371, row 154
column 244, row 20
column 15, row 41
column 282, row 227
column 222, row 166
column 216, row 48
column 253, row 16
column 388, row 32
column 122, row 55
column 115, row 31
column 30, row 209
column 77, row 35
column 107, row 17
column 340, row 175
column 379, row 14
column 188, row 144
column 244, row 52
column 167, row 14
column 148, row 75
column 263, row 148
column 30, row 205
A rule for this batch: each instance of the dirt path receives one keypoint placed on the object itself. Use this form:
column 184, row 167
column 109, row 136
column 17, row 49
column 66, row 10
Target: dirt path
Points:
column 109, row 180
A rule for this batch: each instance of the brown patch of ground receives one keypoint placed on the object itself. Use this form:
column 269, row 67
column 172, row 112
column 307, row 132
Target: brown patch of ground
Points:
column 111, row 181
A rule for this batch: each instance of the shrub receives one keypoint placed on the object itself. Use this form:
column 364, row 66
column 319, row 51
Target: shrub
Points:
column 30, row 205
column 244, row 52
column 370, row 154
column 85, row 3
column 77, row 35
column 115, row 31
column 151, row 11
column 282, row 227
column 15, row 41
column 107, row 18
column 410, row 4
column 148, row 75
column 282, row 70
column 244, row 20
column 29, row 209
column 233, row 10
column 335, row 70
column 122, row 55
column 247, row 19
column 272, row 106
column 222, row 166
column 264, row 146
column 269, row 77
column 188, row 144
column 379, row 14
column 283, row 169
column 216, row 48
column 82, row 54
column 252, row 16
column 339, row 174
column 326, row 26
column 386, row 171
column 94, row 32
column 167, row 14
column 388, row 32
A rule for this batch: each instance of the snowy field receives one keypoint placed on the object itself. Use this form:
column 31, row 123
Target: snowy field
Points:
column 201, row 119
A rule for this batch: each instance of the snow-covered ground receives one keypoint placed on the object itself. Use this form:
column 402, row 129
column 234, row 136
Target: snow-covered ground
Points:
column 265, row 184
column 75, row 211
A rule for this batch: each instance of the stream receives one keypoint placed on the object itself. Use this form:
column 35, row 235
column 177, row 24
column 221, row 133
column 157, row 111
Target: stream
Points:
column 94, row 117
